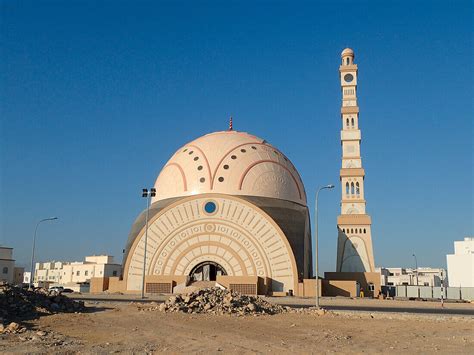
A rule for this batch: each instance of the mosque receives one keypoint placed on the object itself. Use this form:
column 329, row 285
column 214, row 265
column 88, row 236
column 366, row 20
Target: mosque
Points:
column 230, row 208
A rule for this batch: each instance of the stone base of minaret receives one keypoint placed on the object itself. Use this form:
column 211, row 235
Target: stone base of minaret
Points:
column 354, row 244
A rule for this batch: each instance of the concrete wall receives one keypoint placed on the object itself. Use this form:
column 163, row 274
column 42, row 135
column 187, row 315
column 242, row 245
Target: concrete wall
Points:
column 363, row 278
column 333, row 288
column 99, row 284
column 309, row 288
column 428, row 292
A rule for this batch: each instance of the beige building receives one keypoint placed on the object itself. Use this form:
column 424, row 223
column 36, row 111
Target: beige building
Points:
column 49, row 271
column 69, row 273
column 7, row 264
column 229, row 208
column 92, row 266
column 354, row 248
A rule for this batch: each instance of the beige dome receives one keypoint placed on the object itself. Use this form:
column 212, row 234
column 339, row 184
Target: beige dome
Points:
column 347, row 52
column 233, row 163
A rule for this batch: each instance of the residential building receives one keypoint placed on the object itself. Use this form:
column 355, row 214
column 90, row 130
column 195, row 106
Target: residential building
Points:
column 76, row 272
column 18, row 275
column 423, row 276
column 461, row 264
column 7, row 264
column 26, row 277
column 93, row 266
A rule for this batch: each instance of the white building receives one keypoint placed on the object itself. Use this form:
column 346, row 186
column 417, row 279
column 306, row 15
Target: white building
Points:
column 93, row 266
column 26, row 277
column 77, row 272
column 7, row 264
column 423, row 276
column 461, row 264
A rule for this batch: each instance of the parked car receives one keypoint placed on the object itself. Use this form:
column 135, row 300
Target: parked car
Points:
column 56, row 288
column 67, row 290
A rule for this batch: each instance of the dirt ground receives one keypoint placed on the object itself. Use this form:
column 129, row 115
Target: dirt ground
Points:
column 126, row 328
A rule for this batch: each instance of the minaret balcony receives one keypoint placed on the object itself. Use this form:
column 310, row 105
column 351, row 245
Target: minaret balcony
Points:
column 350, row 135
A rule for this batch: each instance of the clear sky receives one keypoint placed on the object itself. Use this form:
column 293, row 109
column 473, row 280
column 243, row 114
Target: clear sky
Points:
column 96, row 96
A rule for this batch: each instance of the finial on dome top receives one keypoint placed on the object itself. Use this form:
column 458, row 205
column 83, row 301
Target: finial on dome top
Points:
column 230, row 124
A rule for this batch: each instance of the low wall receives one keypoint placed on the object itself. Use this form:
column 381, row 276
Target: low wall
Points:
column 366, row 280
column 99, row 284
column 250, row 285
column 451, row 293
column 346, row 288
column 117, row 285
column 307, row 288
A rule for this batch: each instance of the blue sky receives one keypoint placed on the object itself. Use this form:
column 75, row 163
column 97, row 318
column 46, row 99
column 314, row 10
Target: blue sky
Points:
column 96, row 96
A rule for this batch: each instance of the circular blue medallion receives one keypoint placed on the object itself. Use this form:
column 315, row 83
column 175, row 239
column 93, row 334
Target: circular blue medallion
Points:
column 210, row 207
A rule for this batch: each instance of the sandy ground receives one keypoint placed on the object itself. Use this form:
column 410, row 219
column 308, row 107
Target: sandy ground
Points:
column 125, row 328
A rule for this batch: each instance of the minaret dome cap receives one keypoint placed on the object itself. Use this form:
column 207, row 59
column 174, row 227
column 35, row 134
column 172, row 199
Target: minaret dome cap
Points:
column 347, row 52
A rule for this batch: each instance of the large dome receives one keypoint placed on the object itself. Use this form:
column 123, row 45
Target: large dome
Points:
column 233, row 163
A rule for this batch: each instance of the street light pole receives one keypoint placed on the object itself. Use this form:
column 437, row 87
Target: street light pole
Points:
column 148, row 195
column 416, row 269
column 316, row 240
column 33, row 248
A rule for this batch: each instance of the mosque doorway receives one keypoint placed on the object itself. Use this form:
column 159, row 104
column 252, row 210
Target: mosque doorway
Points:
column 206, row 271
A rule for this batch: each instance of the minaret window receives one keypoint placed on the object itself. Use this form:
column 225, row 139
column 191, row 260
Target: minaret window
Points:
column 352, row 122
column 357, row 189
column 352, row 188
column 347, row 188
column 347, row 122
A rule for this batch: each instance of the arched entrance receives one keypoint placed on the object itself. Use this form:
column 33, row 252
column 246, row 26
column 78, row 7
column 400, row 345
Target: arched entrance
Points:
column 207, row 271
column 234, row 237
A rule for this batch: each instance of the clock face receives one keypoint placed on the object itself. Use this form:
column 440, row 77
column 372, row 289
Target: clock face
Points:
column 348, row 78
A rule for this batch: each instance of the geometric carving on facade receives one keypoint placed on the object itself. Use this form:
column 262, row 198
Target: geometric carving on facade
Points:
column 233, row 233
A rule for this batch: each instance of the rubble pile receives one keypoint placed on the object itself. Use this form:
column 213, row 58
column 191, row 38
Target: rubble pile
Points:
column 219, row 301
column 20, row 304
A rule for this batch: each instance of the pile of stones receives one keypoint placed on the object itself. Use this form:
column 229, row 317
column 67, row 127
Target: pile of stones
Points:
column 17, row 304
column 219, row 301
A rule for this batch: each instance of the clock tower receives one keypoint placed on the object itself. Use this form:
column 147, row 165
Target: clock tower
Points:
column 354, row 247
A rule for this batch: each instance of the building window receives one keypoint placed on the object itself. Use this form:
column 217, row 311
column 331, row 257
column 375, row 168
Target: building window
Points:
column 5, row 270
column 86, row 273
column 114, row 273
column 78, row 273
column 371, row 286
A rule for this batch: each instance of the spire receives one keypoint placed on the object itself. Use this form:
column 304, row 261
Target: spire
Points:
column 230, row 124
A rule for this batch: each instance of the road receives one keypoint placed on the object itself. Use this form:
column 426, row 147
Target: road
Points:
column 337, row 304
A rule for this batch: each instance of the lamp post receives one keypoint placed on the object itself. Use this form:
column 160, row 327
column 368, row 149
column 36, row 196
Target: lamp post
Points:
column 33, row 248
column 148, row 195
column 416, row 269
column 316, row 240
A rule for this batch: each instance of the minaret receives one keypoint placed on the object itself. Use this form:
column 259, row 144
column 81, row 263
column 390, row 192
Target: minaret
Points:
column 354, row 247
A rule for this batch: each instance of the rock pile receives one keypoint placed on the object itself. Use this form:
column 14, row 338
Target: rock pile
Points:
column 218, row 301
column 20, row 304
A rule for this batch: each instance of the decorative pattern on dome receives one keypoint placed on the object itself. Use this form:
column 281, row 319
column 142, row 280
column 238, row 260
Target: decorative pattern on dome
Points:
column 230, row 162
